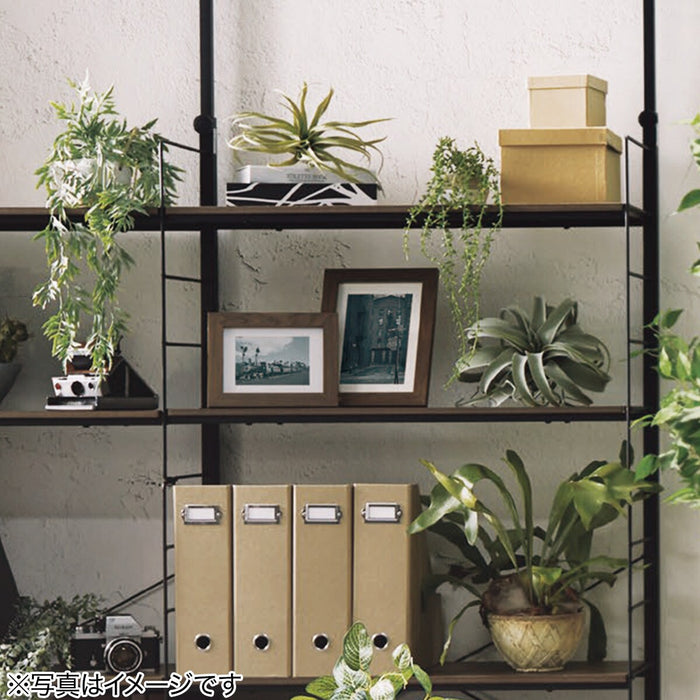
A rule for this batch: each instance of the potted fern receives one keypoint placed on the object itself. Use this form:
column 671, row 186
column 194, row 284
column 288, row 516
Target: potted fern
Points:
column 530, row 583
column 111, row 170
column 463, row 181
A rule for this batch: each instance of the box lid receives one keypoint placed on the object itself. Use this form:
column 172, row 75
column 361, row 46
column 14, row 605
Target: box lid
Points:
column 552, row 82
column 585, row 136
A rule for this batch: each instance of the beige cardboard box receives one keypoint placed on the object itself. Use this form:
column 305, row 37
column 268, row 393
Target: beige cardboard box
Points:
column 322, row 576
column 389, row 569
column 567, row 101
column 202, row 522
column 559, row 166
column 262, row 580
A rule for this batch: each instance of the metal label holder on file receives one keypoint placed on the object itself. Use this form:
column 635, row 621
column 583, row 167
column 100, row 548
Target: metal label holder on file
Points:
column 200, row 514
column 382, row 512
column 321, row 513
column 261, row 514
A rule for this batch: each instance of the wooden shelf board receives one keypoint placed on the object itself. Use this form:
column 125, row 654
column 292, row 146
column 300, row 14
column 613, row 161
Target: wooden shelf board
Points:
column 410, row 414
column 497, row 675
column 80, row 418
column 610, row 214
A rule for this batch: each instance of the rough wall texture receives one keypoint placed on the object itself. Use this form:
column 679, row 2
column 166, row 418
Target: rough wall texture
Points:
column 79, row 508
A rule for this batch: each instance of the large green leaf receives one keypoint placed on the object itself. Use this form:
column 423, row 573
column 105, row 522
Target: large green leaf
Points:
column 441, row 503
column 498, row 329
column 519, row 364
column 597, row 637
column 566, row 385
column 690, row 199
column 357, row 648
column 556, row 319
column 535, row 364
column 517, row 466
column 498, row 365
column 322, row 687
column 471, row 366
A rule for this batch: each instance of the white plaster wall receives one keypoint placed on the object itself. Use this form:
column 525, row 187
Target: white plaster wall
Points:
column 79, row 508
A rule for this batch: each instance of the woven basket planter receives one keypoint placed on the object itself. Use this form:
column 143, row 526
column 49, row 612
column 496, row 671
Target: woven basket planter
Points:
column 537, row 642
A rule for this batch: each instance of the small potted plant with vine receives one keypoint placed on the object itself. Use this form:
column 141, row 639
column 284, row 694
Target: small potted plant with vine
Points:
column 457, row 227
column 111, row 170
column 12, row 333
column 304, row 139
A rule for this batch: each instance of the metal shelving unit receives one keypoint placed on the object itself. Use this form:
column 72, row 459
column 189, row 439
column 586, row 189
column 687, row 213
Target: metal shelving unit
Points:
column 209, row 218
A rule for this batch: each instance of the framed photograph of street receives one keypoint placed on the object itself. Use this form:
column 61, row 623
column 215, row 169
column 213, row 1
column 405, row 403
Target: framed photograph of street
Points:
column 386, row 319
column 271, row 359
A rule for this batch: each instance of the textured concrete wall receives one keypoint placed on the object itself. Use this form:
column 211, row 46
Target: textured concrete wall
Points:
column 79, row 508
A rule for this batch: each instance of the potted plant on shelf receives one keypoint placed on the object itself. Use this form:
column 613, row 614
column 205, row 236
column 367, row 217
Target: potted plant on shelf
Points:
column 38, row 638
column 678, row 360
column 100, row 163
column 530, row 582
column 314, row 168
column 351, row 677
column 540, row 359
column 463, row 181
column 12, row 333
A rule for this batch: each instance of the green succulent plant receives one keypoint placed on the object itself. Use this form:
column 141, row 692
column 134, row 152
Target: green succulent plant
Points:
column 351, row 678
column 463, row 181
column 305, row 138
column 544, row 358
column 12, row 333
column 519, row 567
column 100, row 163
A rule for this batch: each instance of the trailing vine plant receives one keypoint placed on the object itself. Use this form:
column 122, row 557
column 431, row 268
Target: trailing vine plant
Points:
column 463, row 182
column 678, row 360
column 100, row 163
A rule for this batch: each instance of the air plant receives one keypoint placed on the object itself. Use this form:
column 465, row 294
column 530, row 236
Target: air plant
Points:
column 304, row 138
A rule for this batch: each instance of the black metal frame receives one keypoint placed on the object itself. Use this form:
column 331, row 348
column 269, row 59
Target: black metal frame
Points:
column 205, row 125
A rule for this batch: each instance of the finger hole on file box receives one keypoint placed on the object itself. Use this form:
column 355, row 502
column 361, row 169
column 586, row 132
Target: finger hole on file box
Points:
column 202, row 642
column 321, row 642
column 261, row 642
column 380, row 640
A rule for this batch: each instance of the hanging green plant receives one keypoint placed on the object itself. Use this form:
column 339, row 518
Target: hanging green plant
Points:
column 541, row 359
column 462, row 181
column 100, row 163
column 305, row 138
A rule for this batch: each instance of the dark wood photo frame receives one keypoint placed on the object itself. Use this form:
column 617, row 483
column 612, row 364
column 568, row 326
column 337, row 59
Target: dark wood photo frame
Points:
column 272, row 359
column 386, row 320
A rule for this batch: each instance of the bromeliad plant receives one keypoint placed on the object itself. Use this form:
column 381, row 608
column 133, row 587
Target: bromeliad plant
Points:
column 544, row 358
column 100, row 163
column 463, row 182
column 520, row 567
column 306, row 139
column 351, row 678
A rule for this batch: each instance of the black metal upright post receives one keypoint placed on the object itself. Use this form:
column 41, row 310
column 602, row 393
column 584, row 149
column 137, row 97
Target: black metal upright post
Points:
column 648, row 120
column 205, row 125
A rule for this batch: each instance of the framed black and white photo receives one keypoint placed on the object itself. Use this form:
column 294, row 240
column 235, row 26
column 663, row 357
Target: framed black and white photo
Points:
column 271, row 359
column 386, row 319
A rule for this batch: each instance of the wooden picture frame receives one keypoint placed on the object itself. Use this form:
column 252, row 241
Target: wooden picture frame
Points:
column 386, row 319
column 272, row 359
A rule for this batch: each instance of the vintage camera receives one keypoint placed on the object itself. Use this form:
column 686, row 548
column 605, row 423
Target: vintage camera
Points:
column 77, row 385
column 116, row 643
